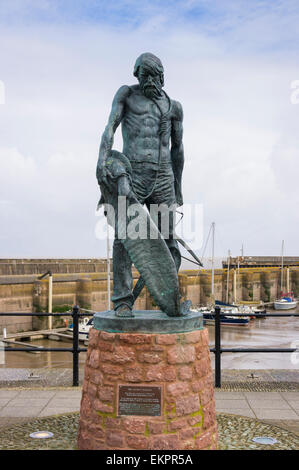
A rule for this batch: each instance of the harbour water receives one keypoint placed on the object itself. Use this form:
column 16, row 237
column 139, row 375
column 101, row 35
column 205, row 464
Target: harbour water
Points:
column 261, row 333
column 269, row 332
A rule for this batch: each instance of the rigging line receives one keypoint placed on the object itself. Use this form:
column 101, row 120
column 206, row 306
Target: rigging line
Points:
column 191, row 261
column 208, row 237
column 184, row 244
column 181, row 214
column 86, row 310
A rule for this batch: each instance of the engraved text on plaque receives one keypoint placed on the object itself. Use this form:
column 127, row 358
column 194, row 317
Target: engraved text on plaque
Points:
column 139, row 400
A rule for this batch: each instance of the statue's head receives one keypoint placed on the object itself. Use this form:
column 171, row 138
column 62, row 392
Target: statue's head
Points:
column 150, row 73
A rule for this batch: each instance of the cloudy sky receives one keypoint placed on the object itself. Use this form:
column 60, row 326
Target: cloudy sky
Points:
column 229, row 62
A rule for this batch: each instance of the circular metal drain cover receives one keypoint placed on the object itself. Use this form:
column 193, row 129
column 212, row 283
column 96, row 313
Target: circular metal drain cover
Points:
column 41, row 435
column 265, row 440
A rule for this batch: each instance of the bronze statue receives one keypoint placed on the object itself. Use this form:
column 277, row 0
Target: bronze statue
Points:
column 148, row 171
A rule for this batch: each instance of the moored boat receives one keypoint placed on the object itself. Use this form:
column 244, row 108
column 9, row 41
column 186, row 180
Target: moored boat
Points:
column 209, row 316
column 286, row 302
column 83, row 327
column 247, row 310
column 259, row 312
column 227, row 319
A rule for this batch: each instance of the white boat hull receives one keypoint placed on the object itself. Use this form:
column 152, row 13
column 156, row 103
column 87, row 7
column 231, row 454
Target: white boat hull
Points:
column 284, row 305
column 83, row 328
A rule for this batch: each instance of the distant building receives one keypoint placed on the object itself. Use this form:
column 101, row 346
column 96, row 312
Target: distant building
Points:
column 260, row 261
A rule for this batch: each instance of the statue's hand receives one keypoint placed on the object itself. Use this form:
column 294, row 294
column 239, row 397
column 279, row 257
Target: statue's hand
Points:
column 179, row 200
column 124, row 188
column 178, row 194
column 102, row 173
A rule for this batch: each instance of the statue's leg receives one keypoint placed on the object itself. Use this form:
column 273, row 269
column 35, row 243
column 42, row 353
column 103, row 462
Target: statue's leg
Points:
column 122, row 277
column 122, row 297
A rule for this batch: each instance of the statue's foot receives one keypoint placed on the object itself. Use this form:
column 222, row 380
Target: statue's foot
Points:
column 124, row 311
column 185, row 307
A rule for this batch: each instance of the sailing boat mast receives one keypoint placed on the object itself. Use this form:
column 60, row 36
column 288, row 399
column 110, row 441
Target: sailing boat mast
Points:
column 227, row 276
column 213, row 249
column 281, row 278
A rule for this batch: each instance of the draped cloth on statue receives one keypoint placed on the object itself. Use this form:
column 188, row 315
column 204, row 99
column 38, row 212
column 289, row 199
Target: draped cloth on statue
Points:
column 149, row 253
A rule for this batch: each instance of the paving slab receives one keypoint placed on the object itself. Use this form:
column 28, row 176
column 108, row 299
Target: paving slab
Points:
column 37, row 393
column 229, row 395
column 275, row 414
column 294, row 404
column 4, row 401
column 263, row 395
column 232, row 404
column 20, row 411
column 271, row 404
column 290, row 395
column 24, row 402
column 8, row 393
column 57, row 410
column 68, row 393
column 67, row 402
column 237, row 411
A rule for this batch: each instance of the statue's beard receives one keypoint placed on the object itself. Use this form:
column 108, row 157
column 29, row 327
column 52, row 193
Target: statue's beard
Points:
column 152, row 92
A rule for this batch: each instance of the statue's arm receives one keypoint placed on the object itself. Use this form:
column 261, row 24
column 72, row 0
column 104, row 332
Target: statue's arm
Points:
column 177, row 150
column 116, row 115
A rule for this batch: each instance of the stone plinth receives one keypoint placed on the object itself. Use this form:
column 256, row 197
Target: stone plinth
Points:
column 175, row 365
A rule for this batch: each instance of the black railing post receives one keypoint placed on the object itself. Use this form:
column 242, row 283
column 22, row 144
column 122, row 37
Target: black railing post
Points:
column 217, row 348
column 75, row 315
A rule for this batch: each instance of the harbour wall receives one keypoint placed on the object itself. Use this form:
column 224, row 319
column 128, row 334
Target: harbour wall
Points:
column 26, row 293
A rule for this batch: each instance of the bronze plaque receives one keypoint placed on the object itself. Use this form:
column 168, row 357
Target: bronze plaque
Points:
column 139, row 400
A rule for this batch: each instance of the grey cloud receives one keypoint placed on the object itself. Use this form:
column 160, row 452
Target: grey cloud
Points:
column 239, row 133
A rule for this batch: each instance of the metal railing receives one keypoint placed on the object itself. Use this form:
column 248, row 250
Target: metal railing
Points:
column 75, row 350
column 217, row 350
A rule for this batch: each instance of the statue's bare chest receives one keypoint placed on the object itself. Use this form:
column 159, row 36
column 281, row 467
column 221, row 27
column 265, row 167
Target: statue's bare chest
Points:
column 142, row 111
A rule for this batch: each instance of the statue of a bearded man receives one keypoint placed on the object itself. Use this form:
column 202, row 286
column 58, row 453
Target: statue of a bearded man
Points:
column 149, row 171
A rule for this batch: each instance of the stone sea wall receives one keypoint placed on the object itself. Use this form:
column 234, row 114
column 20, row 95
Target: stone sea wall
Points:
column 247, row 284
column 88, row 288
